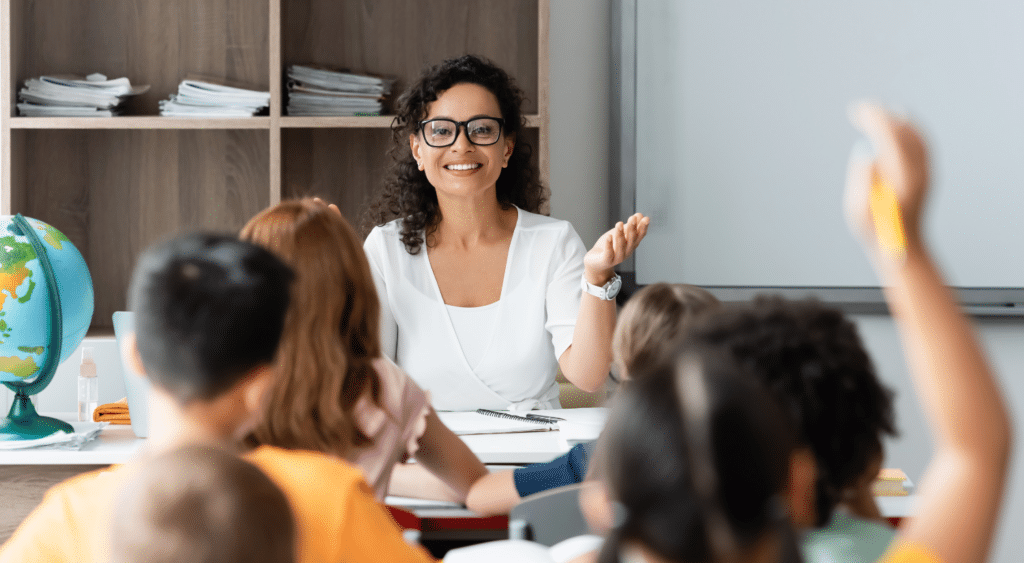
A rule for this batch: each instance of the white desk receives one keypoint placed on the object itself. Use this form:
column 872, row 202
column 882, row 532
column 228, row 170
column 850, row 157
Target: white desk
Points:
column 117, row 444
column 25, row 475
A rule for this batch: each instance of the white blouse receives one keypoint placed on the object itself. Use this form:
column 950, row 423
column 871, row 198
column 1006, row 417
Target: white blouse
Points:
column 532, row 323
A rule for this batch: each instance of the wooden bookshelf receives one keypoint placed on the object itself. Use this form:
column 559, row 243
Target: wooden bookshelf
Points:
column 115, row 185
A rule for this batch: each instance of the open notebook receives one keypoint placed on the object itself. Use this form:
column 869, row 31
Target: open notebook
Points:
column 581, row 424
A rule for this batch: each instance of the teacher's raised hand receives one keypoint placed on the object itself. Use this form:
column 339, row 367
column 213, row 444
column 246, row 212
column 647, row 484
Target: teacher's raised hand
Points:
column 614, row 247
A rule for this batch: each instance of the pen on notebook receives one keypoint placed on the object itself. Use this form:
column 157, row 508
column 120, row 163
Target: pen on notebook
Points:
column 544, row 417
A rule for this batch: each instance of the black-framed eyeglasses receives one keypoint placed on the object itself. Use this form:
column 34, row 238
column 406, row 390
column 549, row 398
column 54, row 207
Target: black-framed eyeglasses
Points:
column 481, row 131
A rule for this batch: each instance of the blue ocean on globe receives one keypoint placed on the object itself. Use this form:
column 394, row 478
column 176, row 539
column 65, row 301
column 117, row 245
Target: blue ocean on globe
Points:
column 25, row 304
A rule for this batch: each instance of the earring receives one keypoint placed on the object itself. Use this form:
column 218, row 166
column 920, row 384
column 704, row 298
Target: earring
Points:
column 419, row 164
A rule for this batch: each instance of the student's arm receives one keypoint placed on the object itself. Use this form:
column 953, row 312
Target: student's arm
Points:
column 960, row 493
column 446, row 468
column 493, row 494
column 585, row 363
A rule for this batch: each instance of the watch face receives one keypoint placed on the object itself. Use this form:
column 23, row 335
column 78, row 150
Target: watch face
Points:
column 613, row 286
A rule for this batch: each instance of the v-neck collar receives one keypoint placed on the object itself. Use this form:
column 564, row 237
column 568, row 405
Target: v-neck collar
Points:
column 501, row 296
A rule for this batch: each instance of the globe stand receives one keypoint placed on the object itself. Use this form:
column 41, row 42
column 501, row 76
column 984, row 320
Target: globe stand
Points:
column 23, row 423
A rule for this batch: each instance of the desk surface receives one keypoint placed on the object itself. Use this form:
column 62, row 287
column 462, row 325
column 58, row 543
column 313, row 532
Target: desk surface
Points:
column 118, row 444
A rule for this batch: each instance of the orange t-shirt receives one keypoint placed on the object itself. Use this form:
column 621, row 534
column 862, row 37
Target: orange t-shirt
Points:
column 338, row 518
column 904, row 552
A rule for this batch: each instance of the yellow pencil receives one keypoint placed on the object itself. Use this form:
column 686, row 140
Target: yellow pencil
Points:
column 885, row 212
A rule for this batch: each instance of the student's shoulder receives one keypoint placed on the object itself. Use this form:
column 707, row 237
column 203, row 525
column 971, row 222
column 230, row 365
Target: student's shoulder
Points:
column 291, row 468
column 85, row 489
column 67, row 523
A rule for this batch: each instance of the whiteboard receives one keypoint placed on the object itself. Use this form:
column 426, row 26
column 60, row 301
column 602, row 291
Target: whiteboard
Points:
column 742, row 138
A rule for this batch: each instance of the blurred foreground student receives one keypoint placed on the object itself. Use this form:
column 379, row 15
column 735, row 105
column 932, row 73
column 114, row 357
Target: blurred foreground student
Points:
column 657, row 315
column 201, row 504
column 812, row 360
column 209, row 312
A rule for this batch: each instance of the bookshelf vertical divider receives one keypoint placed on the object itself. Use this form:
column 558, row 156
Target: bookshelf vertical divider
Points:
column 276, row 99
column 6, row 109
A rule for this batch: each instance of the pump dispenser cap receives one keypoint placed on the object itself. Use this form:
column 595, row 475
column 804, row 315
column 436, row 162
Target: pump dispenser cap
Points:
column 88, row 367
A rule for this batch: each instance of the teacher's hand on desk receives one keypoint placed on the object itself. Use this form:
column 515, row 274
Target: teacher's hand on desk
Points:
column 585, row 363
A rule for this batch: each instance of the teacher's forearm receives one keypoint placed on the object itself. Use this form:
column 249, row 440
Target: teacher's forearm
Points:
column 586, row 362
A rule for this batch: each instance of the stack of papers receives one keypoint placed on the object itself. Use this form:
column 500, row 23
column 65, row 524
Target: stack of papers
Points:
column 74, row 96
column 199, row 98
column 84, row 432
column 316, row 91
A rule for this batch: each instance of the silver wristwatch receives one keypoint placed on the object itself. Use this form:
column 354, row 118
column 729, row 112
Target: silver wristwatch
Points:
column 606, row 292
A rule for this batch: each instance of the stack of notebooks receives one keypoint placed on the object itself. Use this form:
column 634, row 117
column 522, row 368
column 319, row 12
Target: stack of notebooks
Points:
column 74, row 96
column 314, row 91
column 201, row 98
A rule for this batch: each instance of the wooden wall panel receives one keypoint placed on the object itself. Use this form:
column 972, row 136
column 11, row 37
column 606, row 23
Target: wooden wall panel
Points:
column 400, row 38
column 149, row 41
column 343, row 166
column 113, row 193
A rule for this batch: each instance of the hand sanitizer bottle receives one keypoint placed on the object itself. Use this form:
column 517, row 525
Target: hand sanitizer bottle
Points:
column 88, row 386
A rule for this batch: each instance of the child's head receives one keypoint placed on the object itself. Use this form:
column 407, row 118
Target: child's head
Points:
column 811, row 358
column 201, row 504
column 332, row 331
column 209, row 309
column 653, row 319
column 696, row 457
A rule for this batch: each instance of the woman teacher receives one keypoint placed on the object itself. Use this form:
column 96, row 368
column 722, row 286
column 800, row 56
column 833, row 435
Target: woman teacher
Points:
column 483, row 298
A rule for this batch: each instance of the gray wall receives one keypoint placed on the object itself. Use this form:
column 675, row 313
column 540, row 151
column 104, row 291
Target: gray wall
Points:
column 580, row 113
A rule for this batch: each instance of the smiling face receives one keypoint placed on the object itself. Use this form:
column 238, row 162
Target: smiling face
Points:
column 463, row 169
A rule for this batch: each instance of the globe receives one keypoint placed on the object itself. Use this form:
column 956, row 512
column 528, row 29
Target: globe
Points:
column 46, row 306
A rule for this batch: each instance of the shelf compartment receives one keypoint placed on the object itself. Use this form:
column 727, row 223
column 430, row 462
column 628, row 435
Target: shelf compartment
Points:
column 400, row 38
column 113, row 193
column 151, row 42
column 139, row 123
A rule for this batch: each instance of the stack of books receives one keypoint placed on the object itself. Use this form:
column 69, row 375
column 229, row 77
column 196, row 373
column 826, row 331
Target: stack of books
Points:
column 314, row 91
column 74, row 96
column 202, row 98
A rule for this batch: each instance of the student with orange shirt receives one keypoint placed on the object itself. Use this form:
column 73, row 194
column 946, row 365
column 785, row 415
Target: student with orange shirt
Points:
column 209, row 312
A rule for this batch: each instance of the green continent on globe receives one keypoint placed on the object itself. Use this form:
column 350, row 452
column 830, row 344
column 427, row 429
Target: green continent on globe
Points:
column 18, row 367
column 28, row 292
column 32, row 349
column 53, row 236
column 14, row 259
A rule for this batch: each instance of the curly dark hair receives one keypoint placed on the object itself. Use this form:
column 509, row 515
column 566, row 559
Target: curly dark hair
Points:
column 407, row 194
column 812, row 359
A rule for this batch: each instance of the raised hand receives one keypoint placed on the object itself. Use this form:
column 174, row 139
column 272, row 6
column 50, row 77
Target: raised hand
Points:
column 900, row 161
column 613, row 247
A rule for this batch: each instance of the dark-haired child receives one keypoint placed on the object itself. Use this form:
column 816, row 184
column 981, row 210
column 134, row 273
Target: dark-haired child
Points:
column 812, row 360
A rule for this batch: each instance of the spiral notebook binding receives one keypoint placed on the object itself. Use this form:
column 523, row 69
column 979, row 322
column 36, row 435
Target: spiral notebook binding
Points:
column 510, row 416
